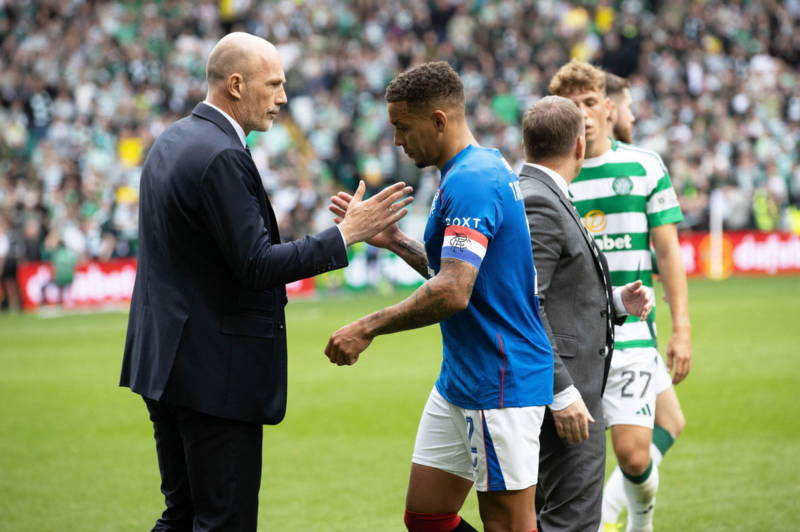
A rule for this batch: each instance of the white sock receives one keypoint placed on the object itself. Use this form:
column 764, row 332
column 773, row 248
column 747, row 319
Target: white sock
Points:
column 614, row 499
column 655, row 454
column 641, row 502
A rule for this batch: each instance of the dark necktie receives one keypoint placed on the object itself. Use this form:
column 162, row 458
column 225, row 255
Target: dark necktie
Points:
column 596, row 252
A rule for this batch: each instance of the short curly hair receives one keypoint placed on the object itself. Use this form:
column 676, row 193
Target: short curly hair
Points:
column 577, row 75
column 425, row 84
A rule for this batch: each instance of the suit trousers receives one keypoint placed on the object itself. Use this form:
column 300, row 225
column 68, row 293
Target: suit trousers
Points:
column 570, row 479
column 210, row 470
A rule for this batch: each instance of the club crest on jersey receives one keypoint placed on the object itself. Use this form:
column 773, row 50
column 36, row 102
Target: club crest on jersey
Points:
column 458, row 241
column 622, row 185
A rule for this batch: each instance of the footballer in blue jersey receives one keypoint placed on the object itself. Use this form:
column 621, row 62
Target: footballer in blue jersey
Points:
column 481, row 423
column 496, row 352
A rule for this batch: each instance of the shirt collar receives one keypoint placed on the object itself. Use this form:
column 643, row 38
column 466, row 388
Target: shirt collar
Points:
column 555, row 176
column 449, row 164
column 234, row 123
column 603, row 158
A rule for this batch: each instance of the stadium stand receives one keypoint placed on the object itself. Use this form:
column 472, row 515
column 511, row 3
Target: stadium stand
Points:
column 85, row 86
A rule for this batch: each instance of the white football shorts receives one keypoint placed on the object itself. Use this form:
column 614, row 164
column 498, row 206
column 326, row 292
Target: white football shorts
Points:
column 497, row 449
column 630, row 396
column 663, row 378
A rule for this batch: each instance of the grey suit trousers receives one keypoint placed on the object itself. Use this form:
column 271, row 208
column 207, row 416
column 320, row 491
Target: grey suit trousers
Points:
column 573, row 499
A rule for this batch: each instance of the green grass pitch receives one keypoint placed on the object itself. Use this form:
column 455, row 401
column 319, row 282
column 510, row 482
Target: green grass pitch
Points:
column 77, row 454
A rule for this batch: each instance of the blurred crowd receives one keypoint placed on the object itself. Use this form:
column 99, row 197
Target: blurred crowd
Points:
column 86, row 86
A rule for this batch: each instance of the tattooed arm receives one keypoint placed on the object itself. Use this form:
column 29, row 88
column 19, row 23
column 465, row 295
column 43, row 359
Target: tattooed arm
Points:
column 411, row 251
column 391, row 238
column 440, row 297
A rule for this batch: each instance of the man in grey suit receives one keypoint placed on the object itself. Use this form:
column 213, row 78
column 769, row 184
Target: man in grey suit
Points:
column 579, row 311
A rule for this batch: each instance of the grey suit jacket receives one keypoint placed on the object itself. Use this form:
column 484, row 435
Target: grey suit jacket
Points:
column 575, row 299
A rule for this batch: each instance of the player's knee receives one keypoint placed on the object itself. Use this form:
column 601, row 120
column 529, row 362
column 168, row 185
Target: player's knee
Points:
column 635, row 461
column 418, row 522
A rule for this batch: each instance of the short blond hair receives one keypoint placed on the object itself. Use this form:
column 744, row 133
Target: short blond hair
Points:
column 577, row 75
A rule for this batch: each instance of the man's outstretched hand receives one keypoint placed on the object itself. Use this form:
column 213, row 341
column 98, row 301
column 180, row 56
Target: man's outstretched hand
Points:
column 637, row 299
column 361, row 220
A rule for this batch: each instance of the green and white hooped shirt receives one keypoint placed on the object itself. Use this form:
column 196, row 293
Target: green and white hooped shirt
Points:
column 620, row 195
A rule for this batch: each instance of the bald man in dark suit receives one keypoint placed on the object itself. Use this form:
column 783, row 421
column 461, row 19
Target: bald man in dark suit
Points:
column 206, row 342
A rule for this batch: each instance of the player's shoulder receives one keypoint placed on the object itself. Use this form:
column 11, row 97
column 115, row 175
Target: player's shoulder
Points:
column 496, row 163
column 480, row 168
column 652, row 161
column 636, row 152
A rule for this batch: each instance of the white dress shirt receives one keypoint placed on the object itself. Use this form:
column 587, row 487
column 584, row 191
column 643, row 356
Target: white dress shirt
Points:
column 555, row 176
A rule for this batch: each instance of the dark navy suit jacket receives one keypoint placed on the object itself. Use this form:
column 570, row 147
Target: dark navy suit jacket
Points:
column 206, row 328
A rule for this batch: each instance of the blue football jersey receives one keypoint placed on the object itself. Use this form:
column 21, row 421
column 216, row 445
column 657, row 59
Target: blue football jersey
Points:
column 496, row 351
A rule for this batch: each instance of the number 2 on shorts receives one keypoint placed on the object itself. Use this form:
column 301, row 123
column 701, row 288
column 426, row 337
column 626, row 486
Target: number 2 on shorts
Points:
column 472, row 449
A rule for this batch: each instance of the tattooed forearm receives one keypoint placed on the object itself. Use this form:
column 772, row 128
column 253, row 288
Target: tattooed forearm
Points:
column 414, row 254
column 438, row 299
column 426, row 306
column 464, row 274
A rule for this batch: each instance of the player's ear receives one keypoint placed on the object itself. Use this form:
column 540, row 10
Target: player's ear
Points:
column 610, row 108
column 439, row 118
column 580, row 147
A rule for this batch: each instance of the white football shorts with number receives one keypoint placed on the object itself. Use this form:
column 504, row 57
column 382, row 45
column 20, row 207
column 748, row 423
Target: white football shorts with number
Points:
column 497, row 449
column 630, row 395
column 663, row 378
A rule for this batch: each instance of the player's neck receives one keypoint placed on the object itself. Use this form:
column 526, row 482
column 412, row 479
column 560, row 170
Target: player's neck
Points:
column 598, row 148
column 453, row 144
